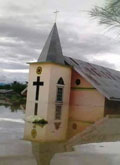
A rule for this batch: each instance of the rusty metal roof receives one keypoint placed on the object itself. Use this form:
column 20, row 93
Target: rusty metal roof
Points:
column 105, row 80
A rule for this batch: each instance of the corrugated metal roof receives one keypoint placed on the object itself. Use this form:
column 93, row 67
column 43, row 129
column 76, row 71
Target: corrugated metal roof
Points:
column 105, row 80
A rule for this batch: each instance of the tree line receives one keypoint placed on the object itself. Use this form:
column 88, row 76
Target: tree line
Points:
column 15, row 86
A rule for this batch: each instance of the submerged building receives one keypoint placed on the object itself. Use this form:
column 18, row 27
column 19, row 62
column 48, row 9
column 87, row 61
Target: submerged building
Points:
column 67, row 91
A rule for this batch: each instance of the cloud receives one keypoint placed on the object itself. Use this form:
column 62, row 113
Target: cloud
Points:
column 10, row 77
column 24, row 31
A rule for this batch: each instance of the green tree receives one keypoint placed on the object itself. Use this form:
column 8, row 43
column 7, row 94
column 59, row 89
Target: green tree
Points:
column 109, row 14
column 18, row 87
column 6, row 86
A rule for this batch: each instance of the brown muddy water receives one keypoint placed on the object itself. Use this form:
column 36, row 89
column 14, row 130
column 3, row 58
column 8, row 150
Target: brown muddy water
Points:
column 18, row 140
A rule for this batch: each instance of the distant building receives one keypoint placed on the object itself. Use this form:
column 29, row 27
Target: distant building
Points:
column 6, row 92
column 68, row 91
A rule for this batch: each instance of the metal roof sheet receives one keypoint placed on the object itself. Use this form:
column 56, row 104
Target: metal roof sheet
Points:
column 105, row 80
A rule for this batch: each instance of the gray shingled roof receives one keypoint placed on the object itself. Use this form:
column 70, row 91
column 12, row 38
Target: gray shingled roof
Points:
column 105, row 80
column 52, row 51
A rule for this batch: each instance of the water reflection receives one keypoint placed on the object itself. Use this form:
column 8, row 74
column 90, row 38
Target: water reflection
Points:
column 14, row 107
column 14, row 150
column 44, row 133
column 44, row 152
column 40, row 142
column 26, row 143
column 46, row 141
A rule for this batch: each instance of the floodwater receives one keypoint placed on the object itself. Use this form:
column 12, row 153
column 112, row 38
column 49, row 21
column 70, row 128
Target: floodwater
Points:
column 24, row 143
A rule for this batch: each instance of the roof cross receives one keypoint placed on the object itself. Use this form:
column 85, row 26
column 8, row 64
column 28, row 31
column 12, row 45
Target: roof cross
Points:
column 56, row 14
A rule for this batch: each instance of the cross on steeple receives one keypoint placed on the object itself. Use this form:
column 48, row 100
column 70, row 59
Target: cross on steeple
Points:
column 37, row 84
column 56, row 13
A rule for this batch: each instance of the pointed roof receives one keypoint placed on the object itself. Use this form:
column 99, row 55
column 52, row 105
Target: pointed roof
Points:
column 52, row 51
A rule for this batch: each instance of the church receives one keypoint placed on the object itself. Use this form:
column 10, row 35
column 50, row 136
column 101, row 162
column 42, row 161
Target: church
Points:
column 70, row 92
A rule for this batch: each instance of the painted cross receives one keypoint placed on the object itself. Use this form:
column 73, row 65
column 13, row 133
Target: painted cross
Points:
column 38, row 83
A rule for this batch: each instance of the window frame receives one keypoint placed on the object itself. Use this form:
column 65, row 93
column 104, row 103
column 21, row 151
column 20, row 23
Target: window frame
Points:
column 60, row 87
column 59, row 102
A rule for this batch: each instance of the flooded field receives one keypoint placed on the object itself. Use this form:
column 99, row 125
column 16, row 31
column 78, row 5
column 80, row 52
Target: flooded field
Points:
column 24, row 143
column 23, row 148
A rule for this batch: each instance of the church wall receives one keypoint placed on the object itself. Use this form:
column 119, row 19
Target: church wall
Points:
column 43, row 92
column 56, row 73
column 50, row 75
column 83, row 83
column 86, row 105
column 46, row 133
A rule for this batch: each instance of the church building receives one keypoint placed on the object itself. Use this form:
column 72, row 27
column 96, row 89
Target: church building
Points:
column 69, row 92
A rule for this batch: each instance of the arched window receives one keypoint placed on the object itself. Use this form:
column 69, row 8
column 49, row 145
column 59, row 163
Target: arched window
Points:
column 60, row 81
column 59, row 98
column 60, row 86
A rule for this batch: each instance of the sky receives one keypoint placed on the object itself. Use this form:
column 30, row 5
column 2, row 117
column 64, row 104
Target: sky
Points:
column 25, row 25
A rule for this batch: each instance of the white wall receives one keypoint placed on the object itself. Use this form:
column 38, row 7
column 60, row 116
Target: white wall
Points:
column 47, row 95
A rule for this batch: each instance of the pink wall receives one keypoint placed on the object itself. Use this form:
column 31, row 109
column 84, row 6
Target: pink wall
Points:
column 86, row 103
column 84, row 83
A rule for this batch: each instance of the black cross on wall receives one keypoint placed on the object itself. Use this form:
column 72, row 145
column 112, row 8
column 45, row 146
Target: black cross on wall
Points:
column 37, row 84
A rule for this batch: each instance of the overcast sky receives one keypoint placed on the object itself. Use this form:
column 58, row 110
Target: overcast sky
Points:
column 25, row 25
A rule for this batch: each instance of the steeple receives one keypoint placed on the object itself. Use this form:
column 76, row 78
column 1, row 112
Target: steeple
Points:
column 52, row 51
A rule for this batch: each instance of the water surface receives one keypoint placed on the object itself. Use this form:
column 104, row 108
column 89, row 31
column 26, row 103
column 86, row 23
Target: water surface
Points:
column 24, row 143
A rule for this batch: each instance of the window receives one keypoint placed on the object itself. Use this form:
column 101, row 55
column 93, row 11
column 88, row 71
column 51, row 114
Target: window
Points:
column 78, row 82
column 59, row 94
column 60, row 86
column 60, row 81
column 74, row 126
column 58, row 112
column 36, row 109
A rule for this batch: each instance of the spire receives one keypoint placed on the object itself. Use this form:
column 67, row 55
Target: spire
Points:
column 52, row 51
